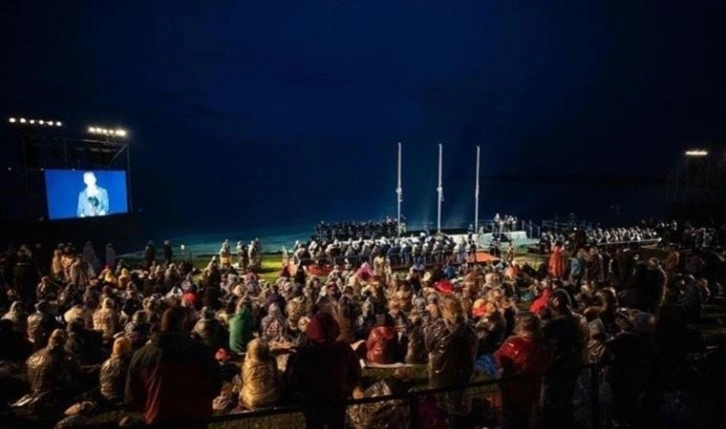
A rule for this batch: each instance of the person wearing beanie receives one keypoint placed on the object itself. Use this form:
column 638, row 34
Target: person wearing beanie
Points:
column 113, row 372
column 324, row 373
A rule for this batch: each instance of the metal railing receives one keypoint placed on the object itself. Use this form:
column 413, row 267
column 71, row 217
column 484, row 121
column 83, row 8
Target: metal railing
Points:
column 480, row 403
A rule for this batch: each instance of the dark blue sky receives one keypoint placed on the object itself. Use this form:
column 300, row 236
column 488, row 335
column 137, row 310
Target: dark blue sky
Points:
column 251, row 113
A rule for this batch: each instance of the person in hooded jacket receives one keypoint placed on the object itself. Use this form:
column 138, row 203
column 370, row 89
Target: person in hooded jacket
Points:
column 566, row 334
column 83, row 345
column 416, row 353
column 274, row 325
column 113, row 372
column 18, row 317
column 382, row 343
column 209, row 329
column 173, row 379
column 240, row 327
column 325, row 373
column 105, row 320
column 261, row 380
column 452, row 347
column 524, row 354
column 40, row 325
column 51, row 373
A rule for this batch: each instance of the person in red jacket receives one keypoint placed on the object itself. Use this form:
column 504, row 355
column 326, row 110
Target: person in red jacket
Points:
column 540, row 303
column 524, row 354
column 324, row 373
column 382, row 344
column 557, row 262
column 173, row 379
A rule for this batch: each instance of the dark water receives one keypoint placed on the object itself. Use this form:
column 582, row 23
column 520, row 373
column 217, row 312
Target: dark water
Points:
column 614, row 204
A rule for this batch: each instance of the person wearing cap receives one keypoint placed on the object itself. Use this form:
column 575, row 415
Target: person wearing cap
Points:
column 324, row 373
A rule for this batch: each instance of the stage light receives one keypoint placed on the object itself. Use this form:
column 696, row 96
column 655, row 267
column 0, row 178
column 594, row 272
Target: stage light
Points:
column 12, row 120
column 696, row 152
column 22, row 120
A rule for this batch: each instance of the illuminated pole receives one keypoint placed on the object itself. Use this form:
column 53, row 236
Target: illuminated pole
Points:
column 440, row 190
column 476, row 193
column 399, row 192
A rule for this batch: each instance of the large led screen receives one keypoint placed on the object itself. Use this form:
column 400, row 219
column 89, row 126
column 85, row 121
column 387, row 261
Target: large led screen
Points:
column 82, row 194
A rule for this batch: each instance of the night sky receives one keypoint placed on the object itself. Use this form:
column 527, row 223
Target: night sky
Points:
column 267, row 113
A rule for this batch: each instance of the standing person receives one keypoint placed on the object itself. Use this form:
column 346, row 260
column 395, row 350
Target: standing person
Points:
column 452, row 347
column 149, row 255
column 557, row 262
column 567, row 335
column 173, row 379
column 168, row 252
column 110, row 256
column 325, row 373
column 523, row 354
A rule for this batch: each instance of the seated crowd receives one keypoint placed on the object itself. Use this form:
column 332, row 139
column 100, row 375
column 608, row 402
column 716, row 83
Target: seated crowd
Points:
column 228, row 341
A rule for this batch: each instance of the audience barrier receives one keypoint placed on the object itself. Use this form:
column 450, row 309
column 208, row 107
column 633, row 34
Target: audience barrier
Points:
column 476, row 404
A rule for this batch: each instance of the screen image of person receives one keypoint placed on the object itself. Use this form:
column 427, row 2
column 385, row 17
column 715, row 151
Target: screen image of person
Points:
column 93, row 199
column 85, row 194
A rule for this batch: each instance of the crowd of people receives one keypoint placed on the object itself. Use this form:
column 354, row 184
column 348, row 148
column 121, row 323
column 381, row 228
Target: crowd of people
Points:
column 325, row 231
column 178, row 346
column 418, row 250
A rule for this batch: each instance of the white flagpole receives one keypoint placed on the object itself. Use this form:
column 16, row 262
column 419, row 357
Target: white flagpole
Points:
column 476, row 193
column 440, row 190
column 399, row 192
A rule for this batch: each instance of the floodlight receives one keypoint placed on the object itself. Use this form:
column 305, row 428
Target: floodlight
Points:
column 32, row 122
column 22, row 120
column 92, row 130
column 41, row 122
column 12, row 120
column 121, row 133
column 58, row 123
column 696, row 152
